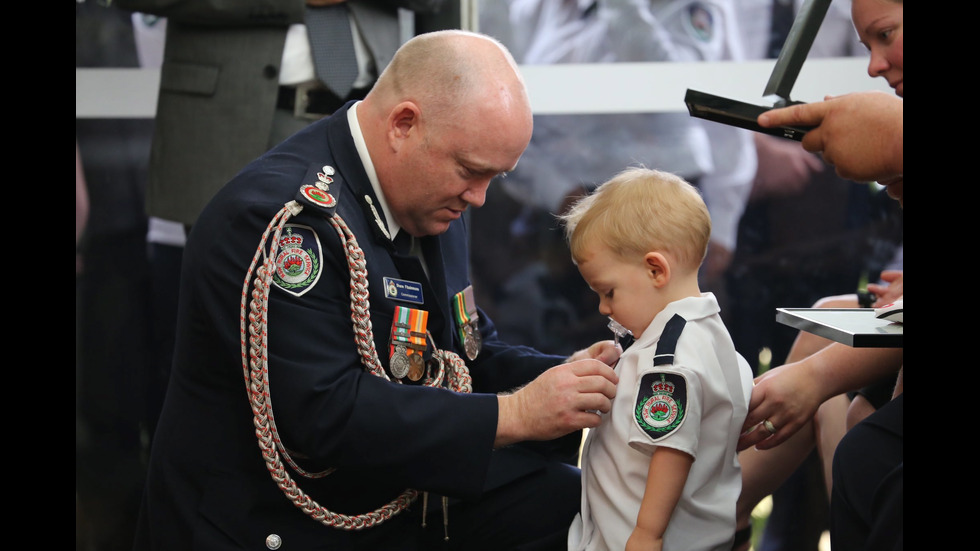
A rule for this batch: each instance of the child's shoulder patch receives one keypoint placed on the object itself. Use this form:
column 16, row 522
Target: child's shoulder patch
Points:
column 661, row 403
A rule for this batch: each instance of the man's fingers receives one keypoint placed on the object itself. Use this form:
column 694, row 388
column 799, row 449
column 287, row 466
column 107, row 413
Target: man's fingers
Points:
column 610, row 354
column 587, row 419
column 595, row 402
column 591, row 367
column 594, row 394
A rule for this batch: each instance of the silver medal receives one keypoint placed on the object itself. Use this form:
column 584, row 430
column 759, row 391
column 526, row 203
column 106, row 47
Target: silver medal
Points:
column 472, row 342
column 399, row 362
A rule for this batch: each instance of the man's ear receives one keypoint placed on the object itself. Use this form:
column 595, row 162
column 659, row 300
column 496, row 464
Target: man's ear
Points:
column 658, row 267
column 403, row 121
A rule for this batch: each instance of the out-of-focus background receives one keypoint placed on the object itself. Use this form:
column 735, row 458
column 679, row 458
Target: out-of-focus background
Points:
column 601, row 102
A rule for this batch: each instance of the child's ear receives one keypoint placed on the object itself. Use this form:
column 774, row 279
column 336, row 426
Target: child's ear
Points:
column 658, row 267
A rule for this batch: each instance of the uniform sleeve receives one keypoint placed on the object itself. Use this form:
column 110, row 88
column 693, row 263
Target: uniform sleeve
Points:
column 667, row 410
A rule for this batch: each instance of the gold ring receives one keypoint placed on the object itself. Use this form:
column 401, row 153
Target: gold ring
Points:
column 769, row 426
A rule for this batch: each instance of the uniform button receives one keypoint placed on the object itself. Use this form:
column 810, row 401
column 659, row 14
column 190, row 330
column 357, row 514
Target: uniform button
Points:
column 273, row 541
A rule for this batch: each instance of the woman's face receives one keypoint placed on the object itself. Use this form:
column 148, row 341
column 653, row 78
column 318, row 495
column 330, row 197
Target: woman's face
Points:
column 879, row 24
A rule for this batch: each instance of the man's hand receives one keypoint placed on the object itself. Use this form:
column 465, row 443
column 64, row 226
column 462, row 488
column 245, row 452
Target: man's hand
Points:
column 607, row 352
column 561, row 400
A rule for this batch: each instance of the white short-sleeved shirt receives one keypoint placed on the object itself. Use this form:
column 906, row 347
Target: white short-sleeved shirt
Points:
column 697, row 405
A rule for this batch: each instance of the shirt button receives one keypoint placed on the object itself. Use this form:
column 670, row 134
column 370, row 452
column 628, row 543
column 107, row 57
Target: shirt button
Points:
column 273, row 541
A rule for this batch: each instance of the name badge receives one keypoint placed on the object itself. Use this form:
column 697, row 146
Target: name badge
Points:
column 403, row 290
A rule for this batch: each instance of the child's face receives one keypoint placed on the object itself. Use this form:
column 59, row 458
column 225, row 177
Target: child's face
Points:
column 625, row 287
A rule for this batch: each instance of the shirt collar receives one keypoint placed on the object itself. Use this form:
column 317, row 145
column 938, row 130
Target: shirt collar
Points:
column 365, row 155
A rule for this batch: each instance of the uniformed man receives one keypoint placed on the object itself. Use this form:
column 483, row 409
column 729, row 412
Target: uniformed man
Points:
column 334, row 384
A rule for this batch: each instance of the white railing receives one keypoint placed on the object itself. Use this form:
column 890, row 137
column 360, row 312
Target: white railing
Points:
column 554, row 89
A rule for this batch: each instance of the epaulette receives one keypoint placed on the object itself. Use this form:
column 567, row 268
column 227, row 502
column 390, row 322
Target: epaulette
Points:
column 315, row 190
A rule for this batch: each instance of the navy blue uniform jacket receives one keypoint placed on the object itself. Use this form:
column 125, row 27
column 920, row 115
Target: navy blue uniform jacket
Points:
column 208, row 486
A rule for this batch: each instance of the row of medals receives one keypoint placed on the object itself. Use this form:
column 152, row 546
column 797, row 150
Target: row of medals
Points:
column 407, row 358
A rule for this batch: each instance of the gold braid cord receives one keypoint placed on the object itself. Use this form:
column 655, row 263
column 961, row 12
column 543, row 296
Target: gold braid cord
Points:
column 255, row 364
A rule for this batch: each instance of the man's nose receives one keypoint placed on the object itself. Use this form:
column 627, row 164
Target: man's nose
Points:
column 476, row 194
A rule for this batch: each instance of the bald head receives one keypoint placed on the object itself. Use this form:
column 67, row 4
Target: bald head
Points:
column 446, row 71
column 449, row 113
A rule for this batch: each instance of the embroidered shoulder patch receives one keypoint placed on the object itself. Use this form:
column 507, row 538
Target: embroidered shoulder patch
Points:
column 316, row 192
column 298, row 259
column 700, row 22
column 661, row 403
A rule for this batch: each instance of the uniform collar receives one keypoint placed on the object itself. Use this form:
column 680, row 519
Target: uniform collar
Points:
column 365, row 155
column 689, row 308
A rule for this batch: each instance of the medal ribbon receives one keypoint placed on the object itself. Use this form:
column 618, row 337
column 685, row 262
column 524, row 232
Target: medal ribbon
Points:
column 409, row 328
column 464, row 309
column 400, row 328
column 418, row 321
